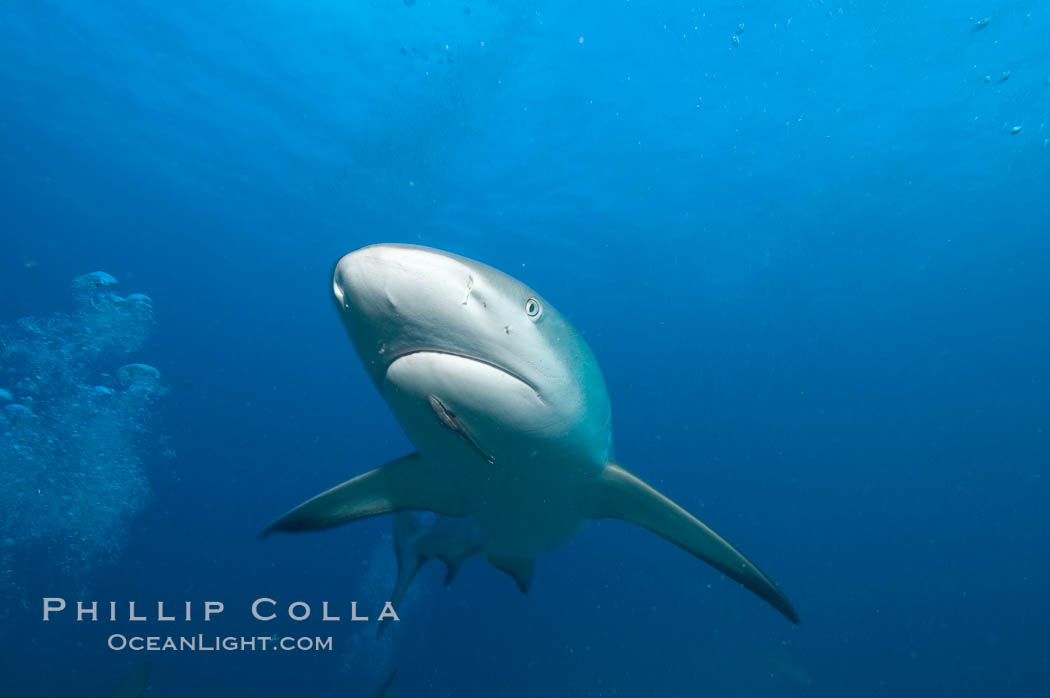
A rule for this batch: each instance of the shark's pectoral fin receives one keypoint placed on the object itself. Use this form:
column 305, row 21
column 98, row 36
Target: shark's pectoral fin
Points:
column 406, row 483
column 618, row 494
column 520, row 568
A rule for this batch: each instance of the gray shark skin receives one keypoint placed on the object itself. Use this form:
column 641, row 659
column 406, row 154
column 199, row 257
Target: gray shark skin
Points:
column 509, row 413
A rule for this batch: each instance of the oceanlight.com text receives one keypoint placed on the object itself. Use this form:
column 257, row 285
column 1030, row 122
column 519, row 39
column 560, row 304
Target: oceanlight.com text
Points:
column 217, row 643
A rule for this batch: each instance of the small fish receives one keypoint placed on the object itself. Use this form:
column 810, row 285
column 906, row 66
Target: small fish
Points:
column 450, row 420
column 1015, row 130
column 981, row 23
column 1005, row 76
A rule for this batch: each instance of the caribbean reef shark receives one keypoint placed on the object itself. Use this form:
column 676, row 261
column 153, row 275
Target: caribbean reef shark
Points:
column 509, row 413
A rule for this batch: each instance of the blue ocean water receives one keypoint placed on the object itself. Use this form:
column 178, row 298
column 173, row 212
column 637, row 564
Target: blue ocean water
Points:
column 809, row 244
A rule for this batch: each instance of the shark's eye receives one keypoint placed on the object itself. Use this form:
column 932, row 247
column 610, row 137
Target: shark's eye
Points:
column 533, row 308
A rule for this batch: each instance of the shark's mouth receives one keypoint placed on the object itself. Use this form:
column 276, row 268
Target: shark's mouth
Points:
column 469, row 357
column 459, row 390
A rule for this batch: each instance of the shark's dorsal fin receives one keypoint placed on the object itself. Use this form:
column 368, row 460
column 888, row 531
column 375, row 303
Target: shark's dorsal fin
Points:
column 406, row 483
column 520, row 568
column 618, row 494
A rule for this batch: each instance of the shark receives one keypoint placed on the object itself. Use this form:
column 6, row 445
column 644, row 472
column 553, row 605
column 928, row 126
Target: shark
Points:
column 508, row 411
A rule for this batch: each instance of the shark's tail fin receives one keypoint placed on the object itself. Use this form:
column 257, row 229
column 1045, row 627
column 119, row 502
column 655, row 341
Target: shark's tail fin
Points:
column 407, row 530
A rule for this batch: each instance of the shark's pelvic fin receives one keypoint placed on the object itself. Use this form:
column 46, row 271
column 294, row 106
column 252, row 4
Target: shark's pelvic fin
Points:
column 452, row 564
column 620, row 495
column 134, row 684
column 520, row 568
column 406, row 483
column 407, row 530
column 452, row 541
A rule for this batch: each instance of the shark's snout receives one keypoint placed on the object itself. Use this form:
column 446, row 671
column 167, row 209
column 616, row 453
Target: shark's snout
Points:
column 357, row 276
column 376, row 277
column 395, row 299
